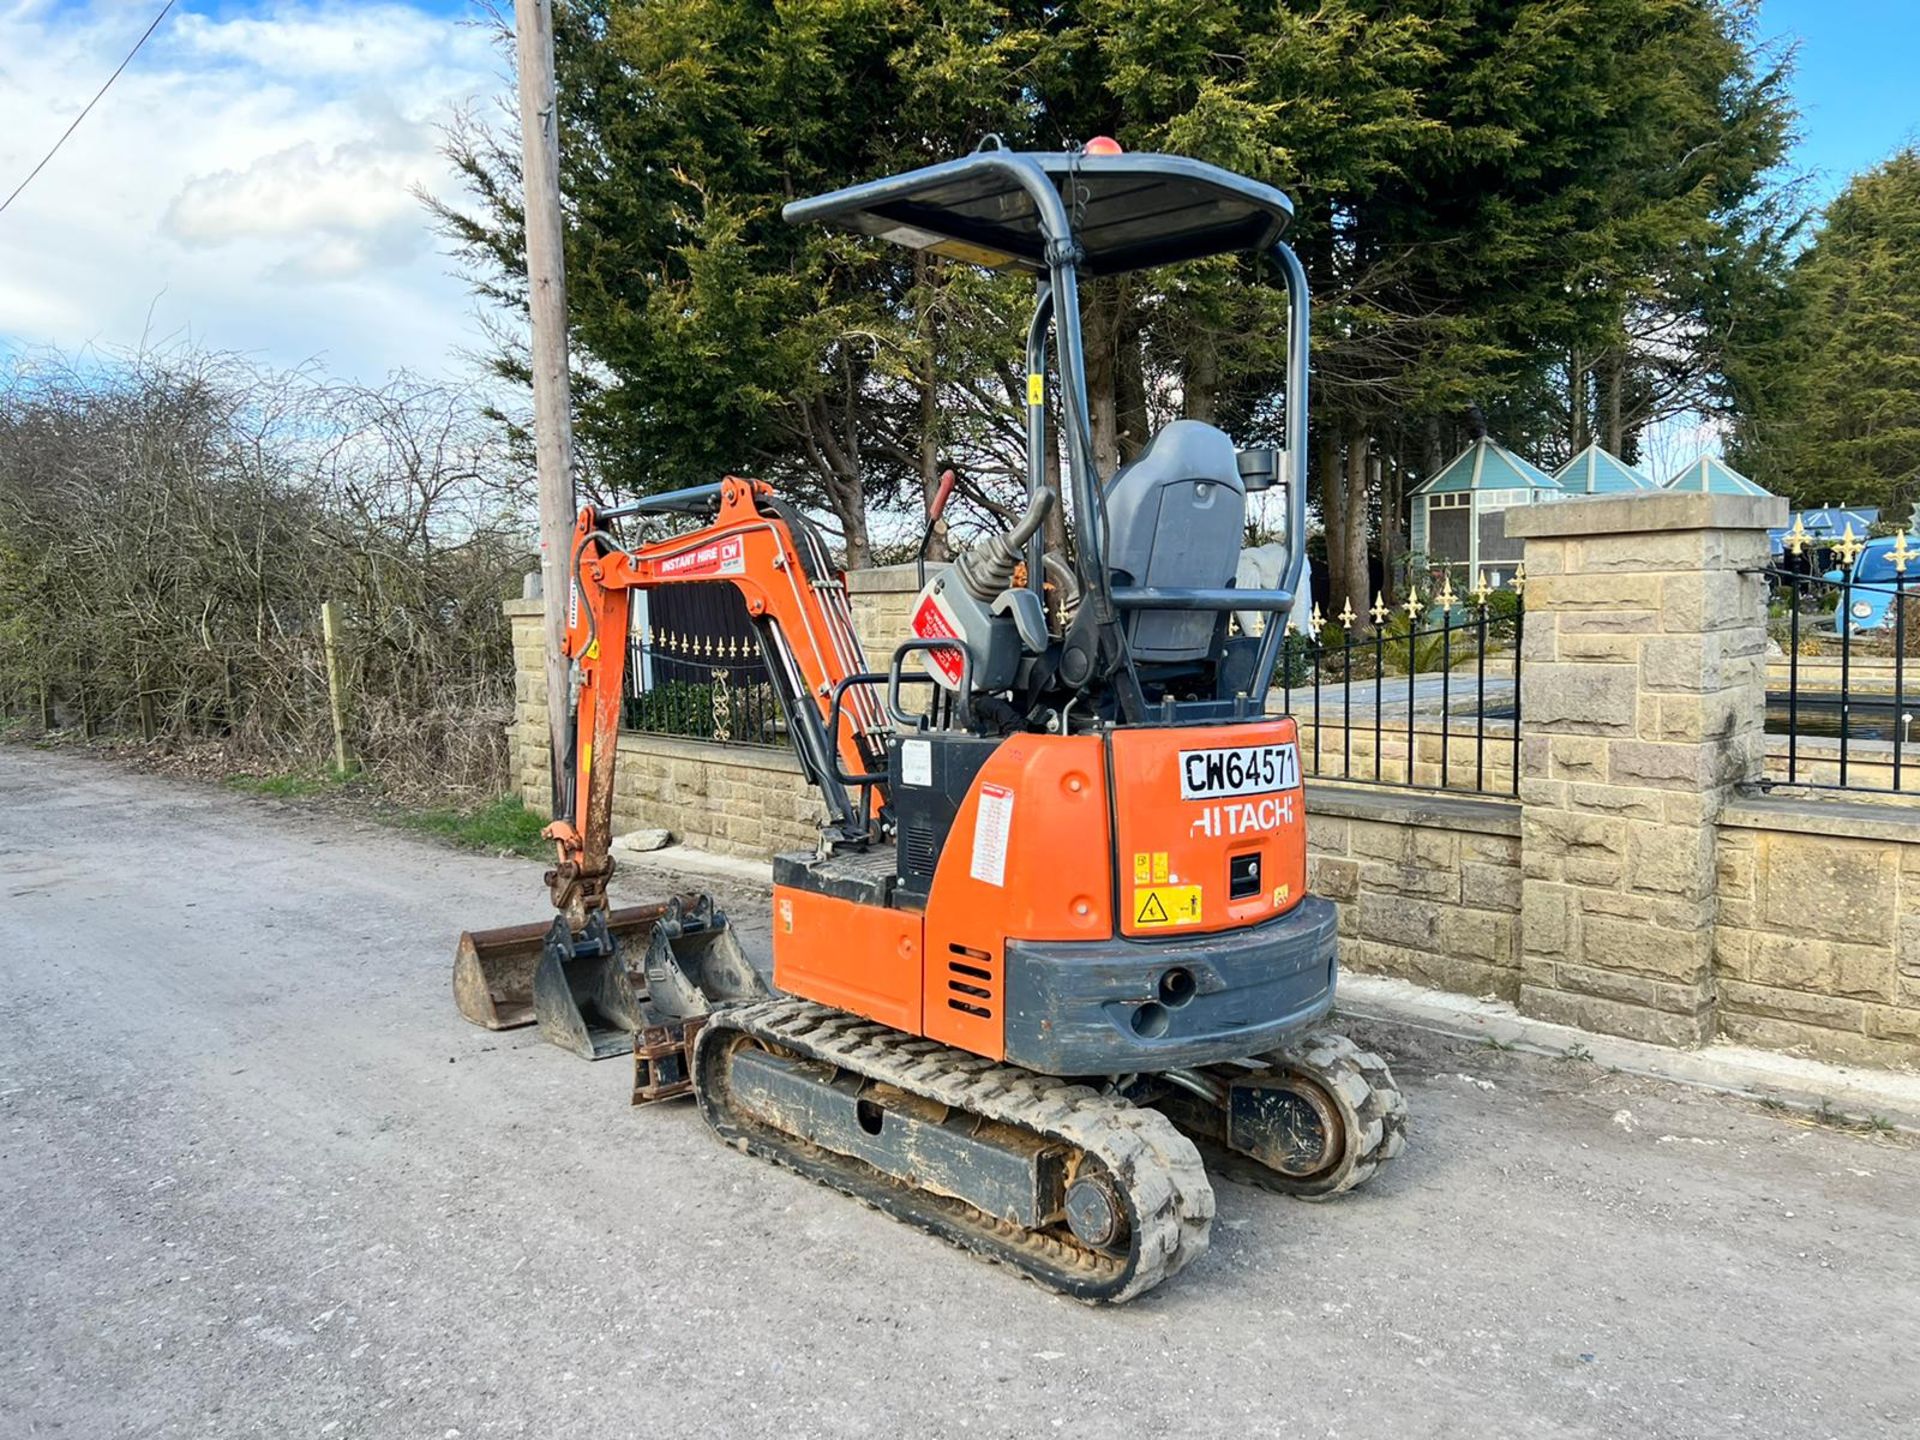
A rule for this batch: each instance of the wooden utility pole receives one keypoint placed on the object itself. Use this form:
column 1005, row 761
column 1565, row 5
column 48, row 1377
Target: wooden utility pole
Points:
column 547, row 308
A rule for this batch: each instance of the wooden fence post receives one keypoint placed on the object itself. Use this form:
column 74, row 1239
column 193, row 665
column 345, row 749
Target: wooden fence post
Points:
column 329, row 630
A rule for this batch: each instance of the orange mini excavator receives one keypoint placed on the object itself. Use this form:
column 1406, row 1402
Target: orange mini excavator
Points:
column 1055, row 944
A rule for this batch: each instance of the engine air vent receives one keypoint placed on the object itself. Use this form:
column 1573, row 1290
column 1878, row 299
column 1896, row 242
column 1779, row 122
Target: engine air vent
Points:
column 970, row 981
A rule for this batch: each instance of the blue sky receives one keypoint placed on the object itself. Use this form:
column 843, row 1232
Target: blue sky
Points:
column 249, row 182
column 1857, row 81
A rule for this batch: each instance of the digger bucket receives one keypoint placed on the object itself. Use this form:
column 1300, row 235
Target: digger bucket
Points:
column 594, row 990
column 493, row 970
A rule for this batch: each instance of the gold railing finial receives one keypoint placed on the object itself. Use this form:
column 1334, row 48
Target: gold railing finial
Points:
column 1848, row 550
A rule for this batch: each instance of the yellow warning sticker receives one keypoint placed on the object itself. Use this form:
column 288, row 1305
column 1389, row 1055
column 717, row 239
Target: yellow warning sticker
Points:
column 1159, row 867
column 1036, row 389
column 1141, row 873
column 1166, row 905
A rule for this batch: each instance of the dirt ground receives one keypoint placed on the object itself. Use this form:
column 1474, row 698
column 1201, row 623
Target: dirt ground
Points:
column 258, row 1178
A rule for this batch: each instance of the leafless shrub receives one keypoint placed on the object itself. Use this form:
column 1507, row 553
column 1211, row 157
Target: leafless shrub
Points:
column 170, row 524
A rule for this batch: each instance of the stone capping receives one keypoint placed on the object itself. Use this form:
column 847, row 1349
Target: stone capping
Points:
column 711, row 752
column 887, row 580
column 515, row 609
column 1644, row 512
column 1474, row 813
column 1840, row 819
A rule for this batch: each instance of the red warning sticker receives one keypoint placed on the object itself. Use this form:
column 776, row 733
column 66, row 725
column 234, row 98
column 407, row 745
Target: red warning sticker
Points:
column 930, row 622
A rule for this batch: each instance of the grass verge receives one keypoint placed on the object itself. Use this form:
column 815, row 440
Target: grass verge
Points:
column 298, row 786
column 502, row 826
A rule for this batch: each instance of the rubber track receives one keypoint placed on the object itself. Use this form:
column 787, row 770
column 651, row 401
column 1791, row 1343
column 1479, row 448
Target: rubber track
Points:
column 1377, row 1111
column 1158, row 1170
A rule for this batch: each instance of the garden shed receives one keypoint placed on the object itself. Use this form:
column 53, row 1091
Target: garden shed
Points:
column 1458, row 512
column 1710, row 475
column 1597, row 471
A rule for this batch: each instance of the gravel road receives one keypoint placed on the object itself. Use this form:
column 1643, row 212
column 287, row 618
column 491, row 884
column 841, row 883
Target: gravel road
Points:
column 258, row 1178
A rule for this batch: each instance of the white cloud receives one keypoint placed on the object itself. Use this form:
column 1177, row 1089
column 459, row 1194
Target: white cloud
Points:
column 334, row 40
column 334, row 212
column 248, row 180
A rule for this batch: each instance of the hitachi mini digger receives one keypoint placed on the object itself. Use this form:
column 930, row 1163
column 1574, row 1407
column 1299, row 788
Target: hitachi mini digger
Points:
column 1055, row 943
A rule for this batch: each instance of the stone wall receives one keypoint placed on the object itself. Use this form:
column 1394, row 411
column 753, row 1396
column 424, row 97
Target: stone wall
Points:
column 1428, row 885
column 881, row 600
column 1818, row 940
column 731, row 799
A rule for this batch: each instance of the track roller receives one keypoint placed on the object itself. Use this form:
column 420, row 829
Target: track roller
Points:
column 1079, row 1189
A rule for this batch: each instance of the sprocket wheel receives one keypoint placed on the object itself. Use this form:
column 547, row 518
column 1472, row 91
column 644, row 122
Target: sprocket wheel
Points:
column 1354, row 1091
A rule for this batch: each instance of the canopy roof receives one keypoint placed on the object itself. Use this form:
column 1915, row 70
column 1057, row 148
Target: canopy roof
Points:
column 1595, row 471
column 1127, row 211
column 1710, row 475
column 1834, row 519
column 1824, row 524
column 1487, row 465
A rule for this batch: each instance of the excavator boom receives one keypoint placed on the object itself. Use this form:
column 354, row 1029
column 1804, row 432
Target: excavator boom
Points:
column 798, row 604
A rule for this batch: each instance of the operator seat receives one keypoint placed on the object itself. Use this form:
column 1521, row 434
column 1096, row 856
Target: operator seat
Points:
column 1176, row 515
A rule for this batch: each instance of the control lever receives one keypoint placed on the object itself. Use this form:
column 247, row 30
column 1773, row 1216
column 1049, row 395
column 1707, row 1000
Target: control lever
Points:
column 942, row 493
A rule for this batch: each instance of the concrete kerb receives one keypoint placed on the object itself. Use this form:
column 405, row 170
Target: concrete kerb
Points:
column 1810, row 1087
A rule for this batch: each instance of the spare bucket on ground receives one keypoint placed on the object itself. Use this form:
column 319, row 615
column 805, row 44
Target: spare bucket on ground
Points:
column 493, row 970
column 594, row 990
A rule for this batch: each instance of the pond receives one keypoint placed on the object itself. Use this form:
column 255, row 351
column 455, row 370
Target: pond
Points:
column 1869, row 717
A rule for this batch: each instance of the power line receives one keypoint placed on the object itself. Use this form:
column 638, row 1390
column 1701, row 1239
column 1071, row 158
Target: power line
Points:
column 90, row 104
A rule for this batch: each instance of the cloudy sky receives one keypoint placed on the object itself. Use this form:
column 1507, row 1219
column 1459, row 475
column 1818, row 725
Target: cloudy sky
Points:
column 247, row 182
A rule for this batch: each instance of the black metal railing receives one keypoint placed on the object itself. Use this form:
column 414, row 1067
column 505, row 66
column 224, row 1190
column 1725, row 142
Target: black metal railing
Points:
column 1438, row 667
column 701, row 687
column 1844, row 719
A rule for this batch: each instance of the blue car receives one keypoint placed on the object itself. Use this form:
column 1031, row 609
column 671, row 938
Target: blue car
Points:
column 1875, row 583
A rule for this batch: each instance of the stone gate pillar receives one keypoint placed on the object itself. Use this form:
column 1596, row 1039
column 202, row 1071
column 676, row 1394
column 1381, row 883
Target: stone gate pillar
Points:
column 527, row 734
column 1643, row 697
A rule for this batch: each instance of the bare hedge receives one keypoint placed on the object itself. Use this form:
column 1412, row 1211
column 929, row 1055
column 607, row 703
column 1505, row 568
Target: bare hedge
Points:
column 170, row 525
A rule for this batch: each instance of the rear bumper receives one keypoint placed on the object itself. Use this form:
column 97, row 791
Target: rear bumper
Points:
column 1097, row 1008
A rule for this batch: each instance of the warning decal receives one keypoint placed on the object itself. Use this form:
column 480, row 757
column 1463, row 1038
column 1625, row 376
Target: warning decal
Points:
column 1166, row 905
column 1150, row 867
column 932, row 622
column 992, row 823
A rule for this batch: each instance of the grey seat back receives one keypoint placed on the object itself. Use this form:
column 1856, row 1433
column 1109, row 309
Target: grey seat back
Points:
column 1176, row 514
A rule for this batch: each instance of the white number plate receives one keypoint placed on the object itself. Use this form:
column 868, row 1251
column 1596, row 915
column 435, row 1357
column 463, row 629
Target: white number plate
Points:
column 1238, row 770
